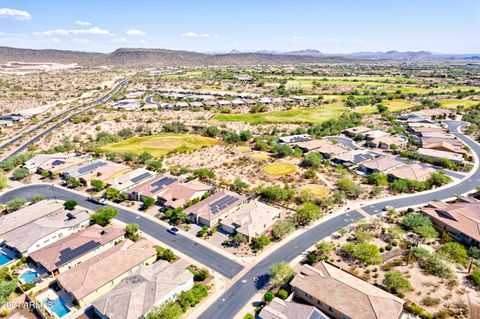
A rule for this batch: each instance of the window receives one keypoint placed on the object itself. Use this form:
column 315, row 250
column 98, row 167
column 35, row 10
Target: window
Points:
column 346, row 317
column 331, row 309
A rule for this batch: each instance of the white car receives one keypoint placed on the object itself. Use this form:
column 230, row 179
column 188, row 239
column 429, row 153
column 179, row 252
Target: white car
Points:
column 387, row 208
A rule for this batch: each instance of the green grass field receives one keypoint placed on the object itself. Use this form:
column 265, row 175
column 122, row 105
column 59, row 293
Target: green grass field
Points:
column 161, row 145
column 280, row 169
column 310, row 115
column 316, row 190
column 453, row 103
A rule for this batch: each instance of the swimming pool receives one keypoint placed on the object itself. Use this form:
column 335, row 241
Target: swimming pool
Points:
column 4, row 259
column 28, row 276
column 58, row 306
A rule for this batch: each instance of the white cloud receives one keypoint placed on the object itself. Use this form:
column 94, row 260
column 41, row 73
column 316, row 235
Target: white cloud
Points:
column 81, row 40
column 6, row 34
column 68, row 32
column 205, row 35
column 54, row 40
column 331, row 40
column 298, row 37
column 14, row 14
column 135, row 32
column 83, row 23
column 119, row 40
column 142, row 41
column 189, row 35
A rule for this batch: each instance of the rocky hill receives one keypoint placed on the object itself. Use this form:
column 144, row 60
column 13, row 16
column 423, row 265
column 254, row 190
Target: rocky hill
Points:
column 134, row 57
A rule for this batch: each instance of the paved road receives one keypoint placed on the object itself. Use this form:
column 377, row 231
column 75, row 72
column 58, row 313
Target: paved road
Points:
column 234, row 299
column 149, row 99
column 191, row 248
column 92, row 104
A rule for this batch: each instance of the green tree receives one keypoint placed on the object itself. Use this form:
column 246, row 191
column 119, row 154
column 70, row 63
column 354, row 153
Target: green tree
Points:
column 313, row 159
column 204, row 174
column 245, row 136
column 97, row 185
column 144, row 157
column 324, row 249
column 439, row 179
column 396, row 283
column 154, row 165
column 365, row 252
column 282, row 228
column 20, row 173
column 239, row 185
column 103, row 216
column 261, row 242
column 238, row 239
column 283, row 149
column 474, row 277
column 280, row 274
column 378, row 179
column 307, row 213
column 72, row 182
column 112, row 193
column 176, row 216
column 131, row 232
column 349, row 187
column 420, row 224
column 15, row 204
column 169, row 310
column 70, row 204
column 148, row 202
column 454, row 252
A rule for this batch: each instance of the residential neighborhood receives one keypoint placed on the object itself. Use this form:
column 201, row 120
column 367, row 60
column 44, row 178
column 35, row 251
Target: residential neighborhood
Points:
column 239, row 160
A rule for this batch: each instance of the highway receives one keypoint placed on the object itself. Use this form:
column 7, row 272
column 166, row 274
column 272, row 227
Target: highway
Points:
column 235, row 298
column 191, row 248
column 90, row 105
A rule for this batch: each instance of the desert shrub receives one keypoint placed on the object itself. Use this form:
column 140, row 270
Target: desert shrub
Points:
column 396, row 283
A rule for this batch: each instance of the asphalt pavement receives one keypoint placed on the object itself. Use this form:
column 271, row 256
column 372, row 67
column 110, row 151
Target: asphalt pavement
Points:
column 235, row 298
column 185, row 245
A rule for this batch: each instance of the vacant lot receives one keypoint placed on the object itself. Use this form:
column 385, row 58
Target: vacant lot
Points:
column 160, row 145
column 312, row 115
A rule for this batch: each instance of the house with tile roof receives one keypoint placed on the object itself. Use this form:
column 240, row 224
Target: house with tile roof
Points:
column 215, row 208
column 342, row 295
column 380, row 164
column 414, row 171
column 28, row 214
column 252, row 219
column 178, row 194
column 148, row 287
column 130, row 179
column 461, row 220
column 37, row 234
column 287, row 309
column 98, row 275
column 77, row 248
column 152, row 187
column 98, row 169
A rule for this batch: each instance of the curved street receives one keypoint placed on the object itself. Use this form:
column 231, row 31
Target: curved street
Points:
column 234, row 299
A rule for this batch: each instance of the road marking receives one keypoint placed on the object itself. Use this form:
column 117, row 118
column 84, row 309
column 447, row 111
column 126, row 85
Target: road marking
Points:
column 362, row 212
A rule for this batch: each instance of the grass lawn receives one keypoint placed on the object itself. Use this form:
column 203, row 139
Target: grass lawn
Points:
column 317, row 190
column 399, row 105
column 280, row 169
column 160, row 145
column 262, row 156
column 452, row 104
column 304, row 115
column 243, row 149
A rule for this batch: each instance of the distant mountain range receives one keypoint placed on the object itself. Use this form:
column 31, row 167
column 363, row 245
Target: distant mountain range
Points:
column 139, row 57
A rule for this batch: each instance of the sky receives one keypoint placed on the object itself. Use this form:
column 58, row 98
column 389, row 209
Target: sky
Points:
column 330, row 26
